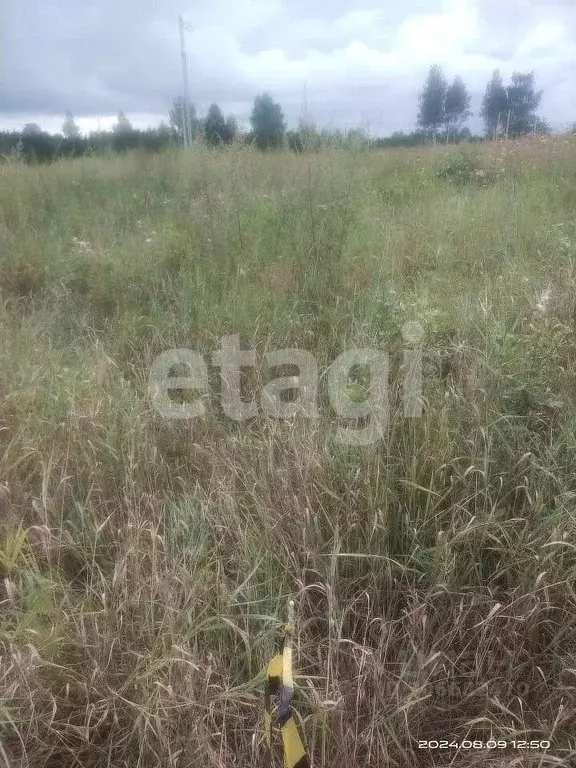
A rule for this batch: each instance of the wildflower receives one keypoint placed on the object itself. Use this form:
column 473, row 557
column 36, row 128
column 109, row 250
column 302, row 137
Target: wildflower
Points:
column 81, row 245
column 543, row 305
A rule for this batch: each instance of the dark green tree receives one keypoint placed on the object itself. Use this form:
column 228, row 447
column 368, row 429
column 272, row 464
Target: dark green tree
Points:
column 124, row 137
column 309, row 134
column 214, row 126
column 176, row 117
column 267, row 122
column 495, row 106
column 31, row 129
column 123, row 125
column 431, row 115
column 69, row 128
column 456, row 107
column 295, row 141
column 523, row 103
column 231, row 129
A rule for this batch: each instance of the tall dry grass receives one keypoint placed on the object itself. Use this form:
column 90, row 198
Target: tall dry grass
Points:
column 146, row 565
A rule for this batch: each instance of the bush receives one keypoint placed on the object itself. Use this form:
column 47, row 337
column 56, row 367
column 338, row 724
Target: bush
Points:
column 465, row 167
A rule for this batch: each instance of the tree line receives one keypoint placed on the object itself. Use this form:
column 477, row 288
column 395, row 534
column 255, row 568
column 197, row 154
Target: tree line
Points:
column 509, row 110
column 33, row 144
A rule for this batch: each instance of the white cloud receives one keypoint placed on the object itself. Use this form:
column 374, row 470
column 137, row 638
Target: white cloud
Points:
column 440, row 36
column 356, row 60
column 546, row 36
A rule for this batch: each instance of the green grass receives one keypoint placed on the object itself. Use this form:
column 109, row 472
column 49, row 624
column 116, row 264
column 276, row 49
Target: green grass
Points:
column 146, row 564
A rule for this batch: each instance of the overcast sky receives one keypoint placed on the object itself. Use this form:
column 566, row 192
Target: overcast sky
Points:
column 353, row 63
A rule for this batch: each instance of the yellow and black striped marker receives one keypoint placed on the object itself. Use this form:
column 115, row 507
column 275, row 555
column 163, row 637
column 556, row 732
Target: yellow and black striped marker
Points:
column 279, row 682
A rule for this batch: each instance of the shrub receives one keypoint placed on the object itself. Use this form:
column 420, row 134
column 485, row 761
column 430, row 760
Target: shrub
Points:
column 465, row 167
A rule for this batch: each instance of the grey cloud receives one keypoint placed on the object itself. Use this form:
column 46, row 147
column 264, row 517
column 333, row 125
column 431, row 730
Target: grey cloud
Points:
column 99, row 57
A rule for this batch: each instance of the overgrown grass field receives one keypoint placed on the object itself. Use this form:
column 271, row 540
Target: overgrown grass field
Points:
column 146, row 564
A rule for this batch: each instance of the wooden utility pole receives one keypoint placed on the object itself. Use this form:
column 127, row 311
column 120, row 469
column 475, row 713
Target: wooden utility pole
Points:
column 186, row 127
